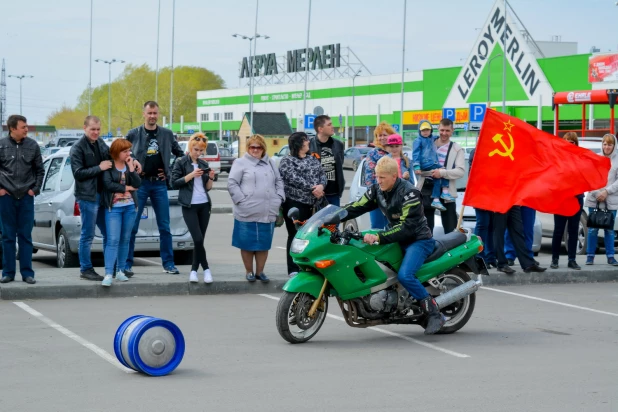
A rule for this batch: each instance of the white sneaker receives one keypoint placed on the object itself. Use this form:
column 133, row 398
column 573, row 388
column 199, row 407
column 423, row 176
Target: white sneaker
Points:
column 120, row 276
column 193, row 276
column 107, row 281
column 207, row 276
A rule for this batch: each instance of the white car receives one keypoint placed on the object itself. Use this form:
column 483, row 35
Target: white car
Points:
column 547, row 220
column 358, row 188
column 283, row 152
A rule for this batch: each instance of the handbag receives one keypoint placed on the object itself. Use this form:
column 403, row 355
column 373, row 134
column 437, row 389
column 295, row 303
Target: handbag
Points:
column 601, row 218
column 279, row 221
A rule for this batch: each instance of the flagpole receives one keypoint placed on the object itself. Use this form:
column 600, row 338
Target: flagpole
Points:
column 460, row 220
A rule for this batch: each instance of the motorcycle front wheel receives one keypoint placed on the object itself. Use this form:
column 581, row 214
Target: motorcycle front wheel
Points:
column 293, row 321
column 458, row 313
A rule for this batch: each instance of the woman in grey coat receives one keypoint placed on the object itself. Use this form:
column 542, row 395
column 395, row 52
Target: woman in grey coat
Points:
column 257, row 192
column 608, row 196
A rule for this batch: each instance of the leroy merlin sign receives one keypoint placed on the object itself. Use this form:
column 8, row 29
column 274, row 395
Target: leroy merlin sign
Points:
column 500, row 31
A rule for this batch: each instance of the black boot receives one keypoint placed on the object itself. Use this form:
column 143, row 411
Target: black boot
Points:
column 435, row 320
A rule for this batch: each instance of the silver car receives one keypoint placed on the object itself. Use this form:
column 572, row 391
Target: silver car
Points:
column 358, row 188
column 57, row 221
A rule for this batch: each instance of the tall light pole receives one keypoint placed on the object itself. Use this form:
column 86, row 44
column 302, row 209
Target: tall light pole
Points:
column 21, row 77
column 353, row 113
column 307, row 64
column 90, row 66
column 255, row 37
column 403, row 62
column 157, row 63
column 504, row 61
column 489, row 77
column 171, row 123
column 109, row 92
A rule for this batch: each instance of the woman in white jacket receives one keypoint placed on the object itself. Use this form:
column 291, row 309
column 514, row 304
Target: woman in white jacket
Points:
column 609, row 196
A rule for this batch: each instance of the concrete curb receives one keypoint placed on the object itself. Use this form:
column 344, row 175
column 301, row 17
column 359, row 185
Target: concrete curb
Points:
column 176, row 287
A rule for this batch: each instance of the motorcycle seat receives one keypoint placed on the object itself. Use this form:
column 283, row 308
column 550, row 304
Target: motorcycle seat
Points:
column 444, row 243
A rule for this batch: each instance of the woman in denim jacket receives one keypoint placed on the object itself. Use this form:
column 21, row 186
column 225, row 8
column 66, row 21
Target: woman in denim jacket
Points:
column 380, row 136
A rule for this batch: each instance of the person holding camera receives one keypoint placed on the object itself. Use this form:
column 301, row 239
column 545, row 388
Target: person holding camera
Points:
column 256, row 189
column 119, row 200
column 193, row 179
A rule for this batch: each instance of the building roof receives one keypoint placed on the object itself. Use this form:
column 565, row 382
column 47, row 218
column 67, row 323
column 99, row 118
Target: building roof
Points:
column 270, row 124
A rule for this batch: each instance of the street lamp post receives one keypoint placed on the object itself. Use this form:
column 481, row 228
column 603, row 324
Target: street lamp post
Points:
column 489, row 77
column 109, row 92
column 255, row 37
column 353, row 108
column 21, row 77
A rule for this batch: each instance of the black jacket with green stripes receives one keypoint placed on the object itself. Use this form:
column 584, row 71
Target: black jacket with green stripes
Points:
column 403, row 208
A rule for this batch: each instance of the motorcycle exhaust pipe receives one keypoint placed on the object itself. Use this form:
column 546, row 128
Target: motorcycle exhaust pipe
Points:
column 458, row 293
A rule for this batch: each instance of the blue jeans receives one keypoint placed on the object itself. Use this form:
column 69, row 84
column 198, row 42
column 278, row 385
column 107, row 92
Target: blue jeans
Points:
column 378, row 220
column 17, row 222
column 92, row 216
column 414, row 256
column 593, row 239
column 527, row 217
column 119, row 221
column 157, row 192
column 438, row 184
column 485, row 230
column 333, row 200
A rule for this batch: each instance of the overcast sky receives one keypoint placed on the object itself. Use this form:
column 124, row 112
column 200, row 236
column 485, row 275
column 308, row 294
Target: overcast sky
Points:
column 50, row 39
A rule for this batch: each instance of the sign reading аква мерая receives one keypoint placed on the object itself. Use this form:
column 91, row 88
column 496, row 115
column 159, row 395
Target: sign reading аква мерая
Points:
column 325, row 57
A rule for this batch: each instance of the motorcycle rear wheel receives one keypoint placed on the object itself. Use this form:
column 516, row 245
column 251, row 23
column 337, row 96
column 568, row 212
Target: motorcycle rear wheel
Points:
column 293, row 322
column 460, row 312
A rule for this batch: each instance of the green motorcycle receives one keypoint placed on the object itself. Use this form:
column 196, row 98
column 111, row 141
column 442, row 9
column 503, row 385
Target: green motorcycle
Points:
column 363, row 279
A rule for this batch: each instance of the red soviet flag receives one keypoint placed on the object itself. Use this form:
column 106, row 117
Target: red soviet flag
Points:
column 517, row 164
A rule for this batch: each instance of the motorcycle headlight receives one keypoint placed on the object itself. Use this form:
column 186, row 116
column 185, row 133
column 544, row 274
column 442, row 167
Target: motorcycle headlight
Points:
column 298, row 245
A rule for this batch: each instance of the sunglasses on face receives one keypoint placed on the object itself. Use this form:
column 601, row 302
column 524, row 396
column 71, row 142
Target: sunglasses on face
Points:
column 198, row 138
column 256, row 148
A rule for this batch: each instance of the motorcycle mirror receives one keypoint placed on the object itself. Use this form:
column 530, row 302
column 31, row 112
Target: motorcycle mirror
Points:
column 293, row 213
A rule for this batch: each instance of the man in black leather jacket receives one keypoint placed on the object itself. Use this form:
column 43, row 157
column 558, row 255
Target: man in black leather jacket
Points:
column 21, row 178
column 153, row 147
column 330, row 153
column 89, row 159
column 402, row 205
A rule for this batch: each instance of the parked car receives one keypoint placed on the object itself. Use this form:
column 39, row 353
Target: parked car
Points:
column 57, row 221
column 226, row 160
column 283, row 152
column 48, row 151
column 547, row 220
column 358, row 188
column 211, row 156
column 354, row 155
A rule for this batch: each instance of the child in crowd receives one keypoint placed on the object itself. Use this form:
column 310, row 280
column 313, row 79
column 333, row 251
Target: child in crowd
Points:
column 425, row 159
column 394, row 146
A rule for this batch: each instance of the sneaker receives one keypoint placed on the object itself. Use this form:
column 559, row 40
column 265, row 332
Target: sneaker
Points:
column 121, row 276
column 207, row 276
column 250, row 277
column 193, row 277
column 107, row 281
column 573, row 265
column 90, row 274
column 554, row 264
column 590, row 260
column 447, row 197
column 291, row 275
column 262, row 277
column 172, row 270
column 438, row 205
column 612, row 261
column 128, row 272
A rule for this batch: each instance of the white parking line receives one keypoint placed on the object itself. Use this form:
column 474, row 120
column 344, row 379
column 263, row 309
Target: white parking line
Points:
column 74, row 336
column 568, row 305
column 152, row 262
column 280, row 247
column 397, row 335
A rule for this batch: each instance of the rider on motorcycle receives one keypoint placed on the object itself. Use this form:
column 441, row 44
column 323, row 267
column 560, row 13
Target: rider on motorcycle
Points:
column 401, row 203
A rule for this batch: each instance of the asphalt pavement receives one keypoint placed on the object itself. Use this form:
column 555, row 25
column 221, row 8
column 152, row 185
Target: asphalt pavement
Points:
column 517, row 353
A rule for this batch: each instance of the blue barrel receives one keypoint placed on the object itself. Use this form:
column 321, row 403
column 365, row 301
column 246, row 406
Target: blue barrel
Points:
column 149, row 345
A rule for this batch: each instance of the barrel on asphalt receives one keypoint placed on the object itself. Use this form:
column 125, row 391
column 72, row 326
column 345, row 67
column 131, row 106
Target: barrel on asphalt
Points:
column 149, row 345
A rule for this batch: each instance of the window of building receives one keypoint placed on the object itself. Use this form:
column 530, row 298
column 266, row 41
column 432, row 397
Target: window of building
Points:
column 228, row 116
column 216, row 117
column 204, row 117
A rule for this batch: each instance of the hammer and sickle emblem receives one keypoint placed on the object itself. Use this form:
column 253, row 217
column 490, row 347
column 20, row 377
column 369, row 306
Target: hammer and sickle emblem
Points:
column 508, row 151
